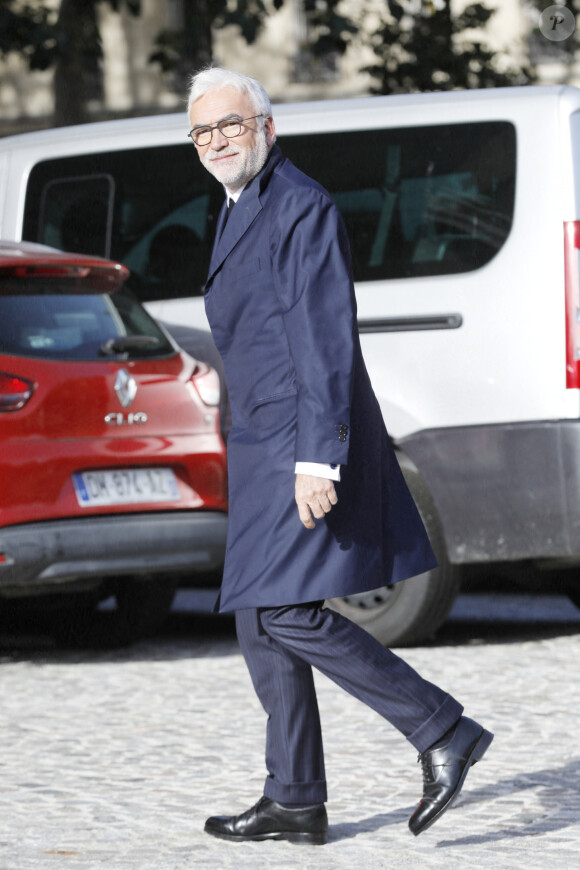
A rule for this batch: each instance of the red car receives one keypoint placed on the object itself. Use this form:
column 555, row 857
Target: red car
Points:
column 112, row 465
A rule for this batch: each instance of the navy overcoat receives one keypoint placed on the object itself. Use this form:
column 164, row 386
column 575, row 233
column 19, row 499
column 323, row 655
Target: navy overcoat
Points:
column 281, row 306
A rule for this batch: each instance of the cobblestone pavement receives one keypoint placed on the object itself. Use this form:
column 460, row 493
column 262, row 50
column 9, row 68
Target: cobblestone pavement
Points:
column 112, row 761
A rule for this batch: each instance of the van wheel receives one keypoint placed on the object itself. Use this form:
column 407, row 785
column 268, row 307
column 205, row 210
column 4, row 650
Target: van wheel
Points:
column 135, row 610
column 410, row 612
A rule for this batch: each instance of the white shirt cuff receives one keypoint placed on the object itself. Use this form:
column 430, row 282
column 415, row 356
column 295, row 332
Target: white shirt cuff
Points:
column 318, row 469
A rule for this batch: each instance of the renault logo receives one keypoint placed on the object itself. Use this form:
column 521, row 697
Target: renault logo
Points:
column 125, row 387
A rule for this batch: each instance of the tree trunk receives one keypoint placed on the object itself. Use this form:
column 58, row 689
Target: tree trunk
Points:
column 196, row 51
column 79, row 51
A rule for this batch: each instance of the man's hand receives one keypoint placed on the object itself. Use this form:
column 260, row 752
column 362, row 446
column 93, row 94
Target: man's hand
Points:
column 315, row 497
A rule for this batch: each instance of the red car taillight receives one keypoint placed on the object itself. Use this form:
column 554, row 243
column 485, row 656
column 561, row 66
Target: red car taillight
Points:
column 14, row 392
column 207, row 383
column 572, row 284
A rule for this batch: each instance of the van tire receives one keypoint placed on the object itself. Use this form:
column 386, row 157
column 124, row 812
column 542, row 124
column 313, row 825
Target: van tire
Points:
column 410, row 612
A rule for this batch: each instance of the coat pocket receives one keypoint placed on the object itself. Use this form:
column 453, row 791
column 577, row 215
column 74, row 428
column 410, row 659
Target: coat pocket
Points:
column 244, row 269
column 275, row 397
column 273, row 420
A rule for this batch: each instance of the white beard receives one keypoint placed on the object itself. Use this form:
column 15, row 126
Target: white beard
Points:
column 240, row 169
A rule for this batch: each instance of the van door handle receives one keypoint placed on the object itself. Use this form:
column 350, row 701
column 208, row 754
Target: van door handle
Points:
column 410, row 324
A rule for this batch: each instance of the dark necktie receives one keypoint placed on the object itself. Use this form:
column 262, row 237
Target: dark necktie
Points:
column 231, row 204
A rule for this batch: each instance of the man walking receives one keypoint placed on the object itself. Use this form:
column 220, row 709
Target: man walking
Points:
column 318, row 505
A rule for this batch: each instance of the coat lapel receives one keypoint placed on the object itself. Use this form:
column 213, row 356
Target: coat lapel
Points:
column 241, row 218
column 243, row 215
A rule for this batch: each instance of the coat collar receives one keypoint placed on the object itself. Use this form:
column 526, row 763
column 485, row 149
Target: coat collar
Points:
column 244, row 214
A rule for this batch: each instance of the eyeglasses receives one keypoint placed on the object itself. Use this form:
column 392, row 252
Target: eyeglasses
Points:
column 229, row 127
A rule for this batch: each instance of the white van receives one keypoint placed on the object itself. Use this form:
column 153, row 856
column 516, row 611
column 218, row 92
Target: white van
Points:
column 463, row 211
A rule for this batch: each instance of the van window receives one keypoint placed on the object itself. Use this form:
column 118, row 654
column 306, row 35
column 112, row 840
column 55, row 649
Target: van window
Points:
column 76, row 214
column 417, row 201
column 153, row 209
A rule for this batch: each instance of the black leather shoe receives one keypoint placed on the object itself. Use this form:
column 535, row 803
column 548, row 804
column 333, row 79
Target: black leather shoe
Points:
column 444, row 771
column 268, row 820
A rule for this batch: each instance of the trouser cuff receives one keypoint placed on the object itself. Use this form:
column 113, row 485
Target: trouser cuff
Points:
column 296, row 792
column 444, row 718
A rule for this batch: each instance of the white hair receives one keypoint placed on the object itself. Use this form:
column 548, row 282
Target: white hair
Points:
column 215, row 77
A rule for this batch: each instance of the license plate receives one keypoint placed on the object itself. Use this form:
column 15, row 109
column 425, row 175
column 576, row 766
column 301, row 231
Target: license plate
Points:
column 125, row 486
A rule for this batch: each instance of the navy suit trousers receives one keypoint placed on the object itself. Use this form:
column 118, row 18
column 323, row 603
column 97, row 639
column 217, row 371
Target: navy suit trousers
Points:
column 281, row 645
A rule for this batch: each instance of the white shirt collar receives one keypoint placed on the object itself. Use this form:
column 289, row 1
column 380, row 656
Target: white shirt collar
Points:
column 233, row 194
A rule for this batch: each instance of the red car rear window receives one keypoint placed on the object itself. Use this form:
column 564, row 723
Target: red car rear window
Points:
column 51, row 322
